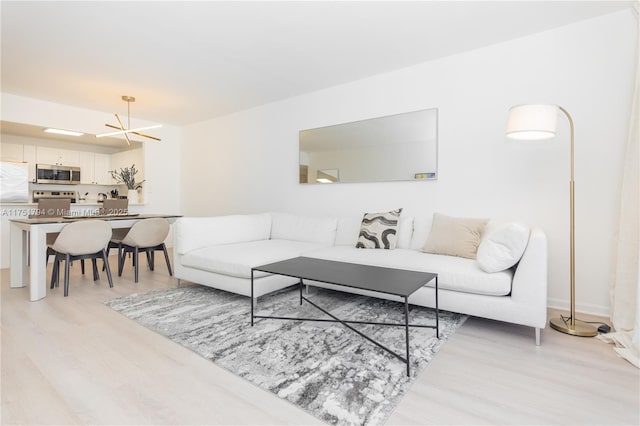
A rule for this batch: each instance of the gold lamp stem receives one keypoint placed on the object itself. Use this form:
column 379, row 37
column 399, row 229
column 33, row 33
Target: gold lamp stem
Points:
column 573, row 327
column 572, row 224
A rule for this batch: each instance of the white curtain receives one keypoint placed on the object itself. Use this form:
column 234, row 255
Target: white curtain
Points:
column 625, row 286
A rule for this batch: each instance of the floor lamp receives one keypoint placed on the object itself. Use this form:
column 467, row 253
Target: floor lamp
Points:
column 536, row 122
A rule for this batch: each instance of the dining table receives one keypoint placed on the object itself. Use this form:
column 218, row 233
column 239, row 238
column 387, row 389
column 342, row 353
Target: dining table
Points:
column 29, row 245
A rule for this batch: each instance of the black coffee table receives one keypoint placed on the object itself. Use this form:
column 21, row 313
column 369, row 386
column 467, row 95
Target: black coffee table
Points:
column 398, row 282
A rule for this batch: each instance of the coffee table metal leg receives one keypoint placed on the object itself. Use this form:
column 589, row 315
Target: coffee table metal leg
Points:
column 406, row 331
column 437, row 312
column 251, row 297
column 274, row 270
column 301, row 285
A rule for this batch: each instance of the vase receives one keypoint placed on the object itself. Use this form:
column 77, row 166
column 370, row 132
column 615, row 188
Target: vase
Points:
column 132, row 195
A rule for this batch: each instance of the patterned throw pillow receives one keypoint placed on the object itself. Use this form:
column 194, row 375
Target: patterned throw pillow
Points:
column 379, row 230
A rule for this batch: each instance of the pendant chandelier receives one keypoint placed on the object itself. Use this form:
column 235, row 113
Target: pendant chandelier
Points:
column 121, row 130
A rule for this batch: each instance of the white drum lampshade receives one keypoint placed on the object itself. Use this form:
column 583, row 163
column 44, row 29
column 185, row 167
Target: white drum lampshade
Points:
column 532, row 122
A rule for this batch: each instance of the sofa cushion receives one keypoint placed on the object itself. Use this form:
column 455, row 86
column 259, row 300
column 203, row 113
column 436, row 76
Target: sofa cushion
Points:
column 196, row 232
column 454, row 236
column 502, row 247
column 312, row 229
column 349, row 230
column 421, row 227
column 454, row 273
column 237, row 260
column 379, row 230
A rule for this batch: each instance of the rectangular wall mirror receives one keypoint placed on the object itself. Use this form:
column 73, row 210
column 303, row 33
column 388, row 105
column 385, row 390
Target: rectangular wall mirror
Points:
column 397, row 147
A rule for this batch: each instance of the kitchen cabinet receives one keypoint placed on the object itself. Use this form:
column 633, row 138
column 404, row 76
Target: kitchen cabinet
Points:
column 102, row 166
column 46, row 155
column 57, row 156
column 29, row 156
column 11, row 152
column 20, row 152
column 94, row 168
column 86, row 167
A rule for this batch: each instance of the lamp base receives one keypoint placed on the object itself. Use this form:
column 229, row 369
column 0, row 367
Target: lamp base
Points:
column 582, row 329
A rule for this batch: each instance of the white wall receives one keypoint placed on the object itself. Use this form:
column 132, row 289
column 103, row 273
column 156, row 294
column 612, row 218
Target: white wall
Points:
column 248, row 161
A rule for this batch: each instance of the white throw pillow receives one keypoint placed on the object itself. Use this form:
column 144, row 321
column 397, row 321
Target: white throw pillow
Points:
column 502, row 247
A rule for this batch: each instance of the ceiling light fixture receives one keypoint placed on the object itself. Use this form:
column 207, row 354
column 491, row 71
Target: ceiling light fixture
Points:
column 63, row 132
column 126, row 130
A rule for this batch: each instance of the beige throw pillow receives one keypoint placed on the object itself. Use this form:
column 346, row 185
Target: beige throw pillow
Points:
column 454, row 236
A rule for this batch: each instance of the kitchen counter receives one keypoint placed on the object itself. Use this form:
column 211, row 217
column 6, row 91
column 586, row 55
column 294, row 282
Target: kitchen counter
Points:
column 28, row 241
column 78, row 204
column 15, row 210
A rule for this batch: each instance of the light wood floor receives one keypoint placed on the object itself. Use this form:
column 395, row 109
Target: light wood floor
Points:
column 74, row 361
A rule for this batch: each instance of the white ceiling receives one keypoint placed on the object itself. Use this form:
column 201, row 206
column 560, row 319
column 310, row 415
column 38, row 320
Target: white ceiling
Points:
column 190, row 61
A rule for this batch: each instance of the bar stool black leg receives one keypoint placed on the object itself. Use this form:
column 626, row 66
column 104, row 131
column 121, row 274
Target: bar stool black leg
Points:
column 107, row 268
column 166, row 258
column 55, row 275
column 67, row 261
column 121, row 258
column 149, row 260
column 94, row 264
column 136, row 262
column 108, row 250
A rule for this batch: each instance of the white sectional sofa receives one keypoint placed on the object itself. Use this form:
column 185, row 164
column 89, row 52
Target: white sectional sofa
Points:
column 220, row 251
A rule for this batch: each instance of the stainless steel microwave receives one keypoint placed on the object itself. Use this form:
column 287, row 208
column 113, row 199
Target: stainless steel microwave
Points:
column 47, row 173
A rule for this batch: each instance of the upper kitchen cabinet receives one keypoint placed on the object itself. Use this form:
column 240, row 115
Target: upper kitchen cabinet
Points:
column 57, row 156
column 94, row 168
column 19, row 152
column 11, row 152
column 102, row 166
column 86, row 167
column 96, row 157
column 29, row 156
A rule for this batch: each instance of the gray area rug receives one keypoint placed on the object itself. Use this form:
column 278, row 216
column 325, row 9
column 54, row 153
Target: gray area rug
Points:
column 323, row 368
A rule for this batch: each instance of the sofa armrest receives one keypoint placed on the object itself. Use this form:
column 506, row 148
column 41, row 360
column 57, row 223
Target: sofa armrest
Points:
column 191, row 233
column 529, row 285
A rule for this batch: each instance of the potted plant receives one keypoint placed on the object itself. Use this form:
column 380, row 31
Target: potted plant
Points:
column 127, row 176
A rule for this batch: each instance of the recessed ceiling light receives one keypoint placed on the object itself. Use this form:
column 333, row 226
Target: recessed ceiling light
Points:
column 63, row 132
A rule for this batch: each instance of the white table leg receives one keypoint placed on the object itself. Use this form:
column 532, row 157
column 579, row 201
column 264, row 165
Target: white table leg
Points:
column 38, row 268
column 18, row 257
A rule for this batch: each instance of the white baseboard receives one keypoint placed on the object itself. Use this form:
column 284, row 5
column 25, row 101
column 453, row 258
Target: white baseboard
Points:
column 584, row 308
